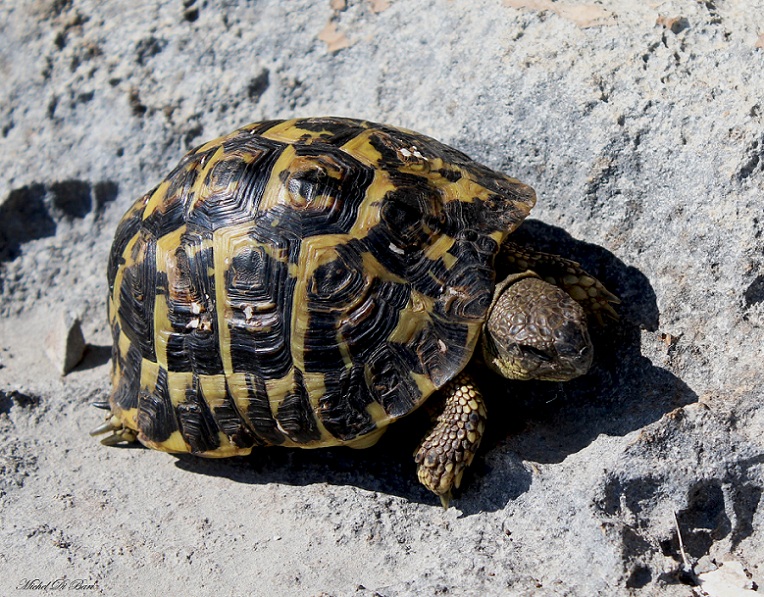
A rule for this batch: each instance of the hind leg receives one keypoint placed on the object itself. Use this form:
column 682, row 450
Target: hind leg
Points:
column 119, row 434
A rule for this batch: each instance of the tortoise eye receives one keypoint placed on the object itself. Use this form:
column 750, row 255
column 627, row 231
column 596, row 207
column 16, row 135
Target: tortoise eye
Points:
column 535, row 353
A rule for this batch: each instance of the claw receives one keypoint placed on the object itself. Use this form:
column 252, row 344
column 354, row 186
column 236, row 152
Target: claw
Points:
column 445, row 498
column 117, row 438
column 105, row 428
column 102, row 404
column 120, row 432
column 610, row 311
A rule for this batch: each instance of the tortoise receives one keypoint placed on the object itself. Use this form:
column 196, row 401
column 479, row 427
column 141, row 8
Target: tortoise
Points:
column 307, row 282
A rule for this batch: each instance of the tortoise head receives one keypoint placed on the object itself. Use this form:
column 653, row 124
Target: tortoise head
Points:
column 535, row 330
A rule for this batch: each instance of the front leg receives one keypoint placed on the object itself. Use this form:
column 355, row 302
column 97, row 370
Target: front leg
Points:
column 567, row 274
column 451, row 445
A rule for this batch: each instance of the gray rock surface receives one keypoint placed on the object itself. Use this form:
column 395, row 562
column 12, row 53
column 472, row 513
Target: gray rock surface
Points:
column 639, row 125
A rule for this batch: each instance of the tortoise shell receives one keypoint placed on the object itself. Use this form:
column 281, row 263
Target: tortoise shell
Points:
column 301, row 283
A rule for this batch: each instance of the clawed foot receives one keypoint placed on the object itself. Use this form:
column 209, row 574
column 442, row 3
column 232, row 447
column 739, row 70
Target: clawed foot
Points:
column 450, row 447
column 120, row 433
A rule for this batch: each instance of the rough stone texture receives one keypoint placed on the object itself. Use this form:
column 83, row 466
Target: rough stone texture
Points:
column 640, row 126
column 65, row 344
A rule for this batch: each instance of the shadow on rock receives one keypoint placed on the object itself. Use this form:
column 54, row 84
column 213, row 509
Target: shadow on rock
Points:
column 95, row 356
column 528, row 421
column 387, row 467
column 34, row 211
column 546, row 422
column 23, row 217
column 624, row 391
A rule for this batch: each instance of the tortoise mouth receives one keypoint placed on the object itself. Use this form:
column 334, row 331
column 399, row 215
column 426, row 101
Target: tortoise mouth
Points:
column 523, row 363
column 564, row 367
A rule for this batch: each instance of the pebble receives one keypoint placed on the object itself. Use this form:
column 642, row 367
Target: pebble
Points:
column 65, row 343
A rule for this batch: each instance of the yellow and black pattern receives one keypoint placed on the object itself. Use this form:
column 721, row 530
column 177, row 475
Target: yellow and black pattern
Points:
column 301, row 282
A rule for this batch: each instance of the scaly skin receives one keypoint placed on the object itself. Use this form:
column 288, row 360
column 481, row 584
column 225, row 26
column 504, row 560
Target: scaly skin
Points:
column 451, row 445
column 567, row 274
column 536, row 329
